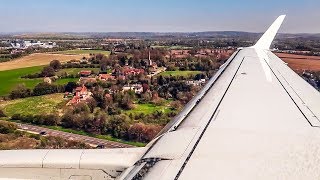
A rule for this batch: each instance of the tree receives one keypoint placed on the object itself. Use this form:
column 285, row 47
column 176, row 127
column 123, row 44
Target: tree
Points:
column 46, row 88
column 55, row 64
column 92, row 103
column 97, row 125
column 145, row 87
column 118, row 126
column 103, row 64
column 151, row 131
column 136, row 132
column 51, row 120
column 21, row 91
column 70, row 86
column 7, row 127
column 98, row 95
column 176, row 105
column 47, row 71
column 127, row 102
column 2, row 113
column 67, row 119
column 161, row 80
column 80, row 108
column 143, row 132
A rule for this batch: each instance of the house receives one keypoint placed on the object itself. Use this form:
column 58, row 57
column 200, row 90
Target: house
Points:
column 121, row 78
column 81, row 94
column 82, row 91
column 84, row 60
column 132, row 71
column 47, row 80
column 85, row 73
column 84, row 80
column 106, row 77
column 120, row 48
column 74, row 100
column 127, row 70
column 196, row 82
column 137, row 88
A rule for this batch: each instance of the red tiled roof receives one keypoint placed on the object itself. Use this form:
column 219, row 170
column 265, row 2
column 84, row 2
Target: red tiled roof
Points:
column 85, row 72
column 78, row 88
column 132, row 71
column 74, row 100
column 83, row 88
column 106, row 76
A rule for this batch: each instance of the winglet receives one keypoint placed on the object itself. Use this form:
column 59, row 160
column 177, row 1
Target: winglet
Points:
column 265, row 41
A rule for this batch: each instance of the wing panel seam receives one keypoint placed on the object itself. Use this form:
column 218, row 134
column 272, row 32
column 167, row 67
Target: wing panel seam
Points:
column 207, row 125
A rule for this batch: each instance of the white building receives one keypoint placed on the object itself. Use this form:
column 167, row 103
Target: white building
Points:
column 21, row 44
column 137, row 88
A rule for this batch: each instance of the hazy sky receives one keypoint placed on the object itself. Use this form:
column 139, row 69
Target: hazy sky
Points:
column 157, row 15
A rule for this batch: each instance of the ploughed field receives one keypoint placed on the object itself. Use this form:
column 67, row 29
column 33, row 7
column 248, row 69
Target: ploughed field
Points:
column 37, row 59
column 299, row 63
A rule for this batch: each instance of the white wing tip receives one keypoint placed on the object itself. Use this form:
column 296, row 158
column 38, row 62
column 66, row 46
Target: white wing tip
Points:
column 265, row 41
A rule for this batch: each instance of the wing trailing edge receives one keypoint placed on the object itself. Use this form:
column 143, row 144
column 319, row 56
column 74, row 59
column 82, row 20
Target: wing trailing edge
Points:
column 265, row 41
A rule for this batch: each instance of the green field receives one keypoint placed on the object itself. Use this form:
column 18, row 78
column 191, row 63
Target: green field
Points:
column 33, row 105
column 65, row 81
column 179, row 73
column 11, row 78
column 76, row 71
column 149, row 108
column 78, row 51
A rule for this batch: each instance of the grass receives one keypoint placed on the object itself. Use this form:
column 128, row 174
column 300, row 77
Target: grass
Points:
column 78, row 52
column 76, row 71
column 11, row 78
column 149, row 108
column 65, row 81
column 33, row 105
column 179, row 73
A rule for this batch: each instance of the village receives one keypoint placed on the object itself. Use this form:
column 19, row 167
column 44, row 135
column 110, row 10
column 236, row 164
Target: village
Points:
column 125, row 90
column 82, row 93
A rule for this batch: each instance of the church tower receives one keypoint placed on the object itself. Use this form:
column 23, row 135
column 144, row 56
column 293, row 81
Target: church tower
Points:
column 150, row 61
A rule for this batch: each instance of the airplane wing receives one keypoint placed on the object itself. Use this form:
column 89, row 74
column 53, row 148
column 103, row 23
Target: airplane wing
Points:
column 255, row 119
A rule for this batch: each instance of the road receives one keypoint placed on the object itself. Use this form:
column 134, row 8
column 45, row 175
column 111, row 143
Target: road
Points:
column 86, row 139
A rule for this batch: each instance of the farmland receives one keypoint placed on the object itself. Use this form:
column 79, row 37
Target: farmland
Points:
column 299, row 63
column 83, row 52
column 33, row 105
column 149, row 108
column 75, row 71
column 36, row 59
column 11, row 78
column 179, row 73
